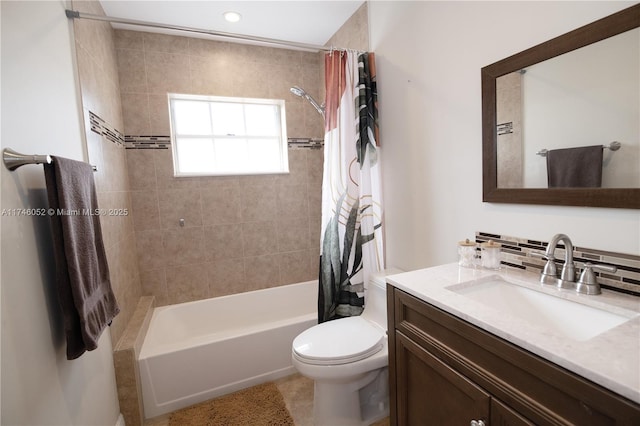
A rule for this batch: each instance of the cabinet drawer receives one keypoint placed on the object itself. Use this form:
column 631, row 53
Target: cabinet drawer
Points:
column 537, row 389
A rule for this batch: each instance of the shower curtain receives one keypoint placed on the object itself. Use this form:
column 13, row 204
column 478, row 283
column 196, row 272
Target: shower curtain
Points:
column 351, row 238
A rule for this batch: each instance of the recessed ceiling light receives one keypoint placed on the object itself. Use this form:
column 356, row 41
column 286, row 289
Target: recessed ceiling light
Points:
column 232, row 16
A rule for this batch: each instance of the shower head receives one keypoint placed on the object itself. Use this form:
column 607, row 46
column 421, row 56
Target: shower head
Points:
column 300, row 92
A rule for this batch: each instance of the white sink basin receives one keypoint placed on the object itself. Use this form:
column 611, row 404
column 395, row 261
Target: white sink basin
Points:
column 571, row 319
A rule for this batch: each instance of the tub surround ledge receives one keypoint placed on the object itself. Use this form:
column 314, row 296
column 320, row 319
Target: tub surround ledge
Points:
column 125, row 359
column 610, row 359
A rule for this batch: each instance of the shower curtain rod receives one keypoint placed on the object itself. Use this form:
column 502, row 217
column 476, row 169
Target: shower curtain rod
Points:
column 74, row 14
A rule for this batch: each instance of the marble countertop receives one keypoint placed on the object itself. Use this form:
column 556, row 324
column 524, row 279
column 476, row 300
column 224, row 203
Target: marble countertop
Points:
column 611, row 358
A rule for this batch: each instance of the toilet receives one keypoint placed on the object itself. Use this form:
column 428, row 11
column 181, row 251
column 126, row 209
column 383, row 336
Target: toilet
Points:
column 348, row 360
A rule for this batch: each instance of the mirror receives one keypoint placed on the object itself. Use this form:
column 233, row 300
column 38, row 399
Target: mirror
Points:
column 529, row 109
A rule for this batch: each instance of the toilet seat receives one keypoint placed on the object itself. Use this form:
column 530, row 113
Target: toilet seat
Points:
column 339, row 341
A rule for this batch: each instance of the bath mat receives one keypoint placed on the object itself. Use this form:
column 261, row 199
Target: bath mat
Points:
column 260, row 405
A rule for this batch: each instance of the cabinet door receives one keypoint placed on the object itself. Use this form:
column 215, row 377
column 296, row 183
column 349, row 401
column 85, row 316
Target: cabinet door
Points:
column 501, row 415
column 429, row 392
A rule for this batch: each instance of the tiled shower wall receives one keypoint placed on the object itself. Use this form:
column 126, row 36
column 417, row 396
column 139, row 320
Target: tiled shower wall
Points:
column 240, row 232
column 98, row 74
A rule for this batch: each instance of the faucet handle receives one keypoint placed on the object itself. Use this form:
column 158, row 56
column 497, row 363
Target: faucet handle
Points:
column 549, row 274
column 588, row 284
column 542, row 255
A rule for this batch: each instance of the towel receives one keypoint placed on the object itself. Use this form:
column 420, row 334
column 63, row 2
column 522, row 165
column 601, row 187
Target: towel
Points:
column 82, row 274
column 575, row 167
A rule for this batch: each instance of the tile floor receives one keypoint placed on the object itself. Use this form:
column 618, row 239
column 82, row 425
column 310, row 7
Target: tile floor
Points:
column 297, row 392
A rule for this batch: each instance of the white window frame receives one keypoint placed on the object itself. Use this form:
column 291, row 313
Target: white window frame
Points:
column 283, row 144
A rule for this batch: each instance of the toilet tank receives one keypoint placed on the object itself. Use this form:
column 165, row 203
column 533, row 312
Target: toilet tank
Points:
column 375, row 297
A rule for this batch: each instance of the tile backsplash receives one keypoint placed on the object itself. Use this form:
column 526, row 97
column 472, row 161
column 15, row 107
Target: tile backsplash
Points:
column 517, row 253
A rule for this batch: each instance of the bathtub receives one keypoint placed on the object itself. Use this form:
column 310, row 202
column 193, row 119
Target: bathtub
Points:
column 204, row 349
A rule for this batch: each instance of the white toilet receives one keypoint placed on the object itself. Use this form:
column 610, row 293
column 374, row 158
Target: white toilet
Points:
column 348, row 360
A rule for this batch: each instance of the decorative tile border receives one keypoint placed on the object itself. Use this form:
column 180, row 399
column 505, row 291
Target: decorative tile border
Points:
column 101, row 127
column 147, row 142
column 518, row 253
column 164, row 142
column 308, row 143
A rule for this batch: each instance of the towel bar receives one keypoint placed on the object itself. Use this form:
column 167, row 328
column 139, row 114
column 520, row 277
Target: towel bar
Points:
column 613, row 146
column 13, row 160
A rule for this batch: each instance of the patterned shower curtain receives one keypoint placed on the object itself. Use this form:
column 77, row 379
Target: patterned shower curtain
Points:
column 351, row 239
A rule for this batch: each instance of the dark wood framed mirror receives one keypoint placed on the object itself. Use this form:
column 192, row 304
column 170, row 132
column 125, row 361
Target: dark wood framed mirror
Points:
column 623, row 197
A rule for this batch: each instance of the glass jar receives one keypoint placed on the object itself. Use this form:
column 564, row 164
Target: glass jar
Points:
column 490, row 254
column 467, row 253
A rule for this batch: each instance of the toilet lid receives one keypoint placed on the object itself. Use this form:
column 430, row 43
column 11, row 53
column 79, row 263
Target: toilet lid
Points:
column 339, row 341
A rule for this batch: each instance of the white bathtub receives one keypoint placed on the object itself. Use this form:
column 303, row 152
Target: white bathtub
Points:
column 200, row 350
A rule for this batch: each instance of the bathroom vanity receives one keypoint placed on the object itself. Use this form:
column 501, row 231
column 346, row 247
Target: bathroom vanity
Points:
column 476, row 347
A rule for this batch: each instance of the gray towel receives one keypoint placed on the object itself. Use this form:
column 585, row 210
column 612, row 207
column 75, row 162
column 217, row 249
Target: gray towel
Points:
column 82, row 274
column 575, row 167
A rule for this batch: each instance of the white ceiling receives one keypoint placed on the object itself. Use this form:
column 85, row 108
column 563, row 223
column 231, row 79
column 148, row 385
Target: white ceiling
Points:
column 310, row 22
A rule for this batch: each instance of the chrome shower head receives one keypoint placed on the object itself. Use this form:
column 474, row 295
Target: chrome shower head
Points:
column 300, row 92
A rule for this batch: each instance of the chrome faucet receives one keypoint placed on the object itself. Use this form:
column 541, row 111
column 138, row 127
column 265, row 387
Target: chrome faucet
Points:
column 549, row 274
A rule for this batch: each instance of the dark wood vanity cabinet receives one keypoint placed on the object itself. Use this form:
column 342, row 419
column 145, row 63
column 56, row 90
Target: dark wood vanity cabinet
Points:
column 445, row 371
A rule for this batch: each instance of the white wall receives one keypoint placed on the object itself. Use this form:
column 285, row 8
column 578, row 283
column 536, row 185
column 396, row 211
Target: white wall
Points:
column 40, row 114
column 428, row 57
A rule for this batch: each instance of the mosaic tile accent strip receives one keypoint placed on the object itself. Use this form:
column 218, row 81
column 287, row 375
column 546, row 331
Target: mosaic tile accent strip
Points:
column 519, row 253
column 147, row 142
column 164, row 142
column 101, row 127
column 308, row 143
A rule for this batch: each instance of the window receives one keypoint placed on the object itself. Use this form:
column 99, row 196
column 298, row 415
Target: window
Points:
column 214, row 135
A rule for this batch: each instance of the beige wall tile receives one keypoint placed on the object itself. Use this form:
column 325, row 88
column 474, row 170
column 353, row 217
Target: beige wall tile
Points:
column 224, row 241
column 261, row 271
column 221, row 204
column 212, row 76
column 293, row 234
column 125, row 39
column 94, row 150
column 114, row 157
column 297, row 168
column 141, row 168
column 135, row 113
column 145, row 210
column 292, row 201
column 259, row 238
column 183, row 246
column 187, row 283
column 259, row 203
column 150, row 250
column 125, row 367
column 155, row 42
column 166, row 73
column 296, row 267
column 226, row 276
column 315, row 229
column 176, row 204
column 89, row 76
column 295, row 119
column 315, row 165
column 202, row 47
column 159, row 115
column 154, row 283
column 131, row 71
